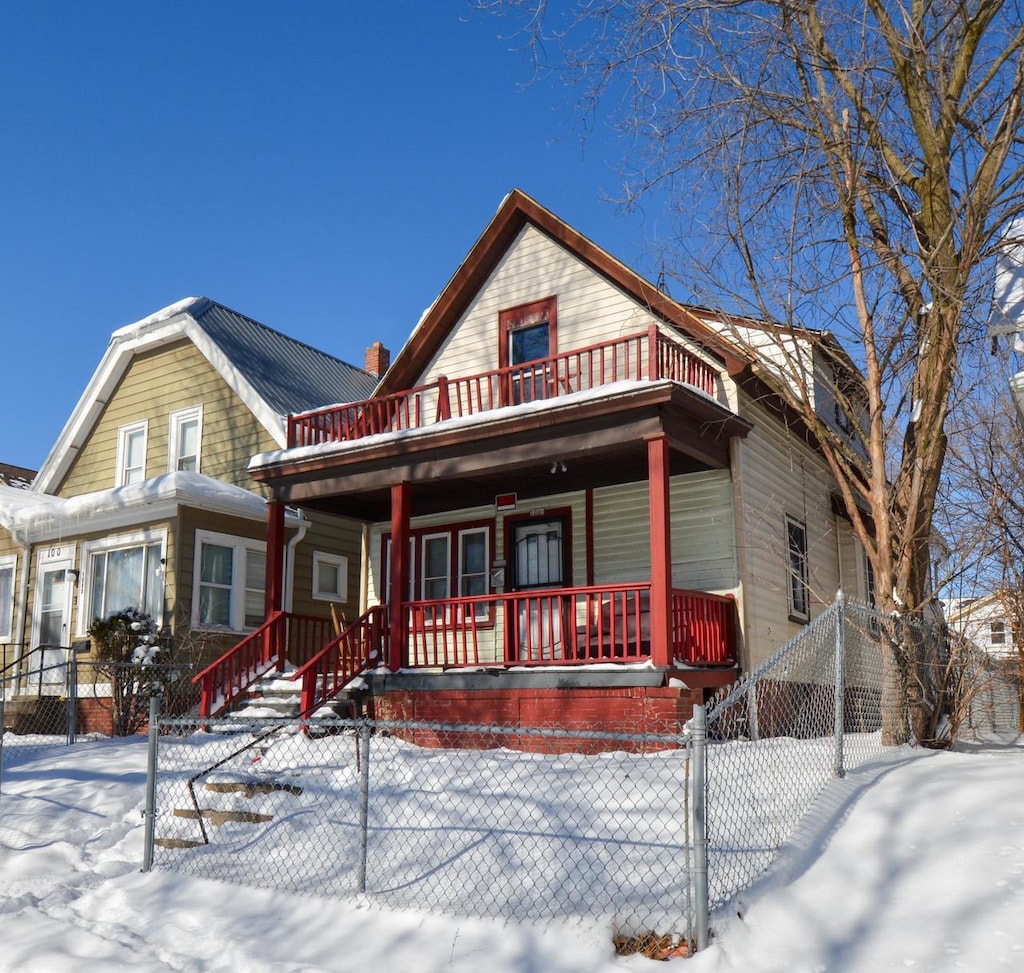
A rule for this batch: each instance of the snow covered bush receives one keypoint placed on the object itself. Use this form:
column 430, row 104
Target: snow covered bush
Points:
column 127, row 652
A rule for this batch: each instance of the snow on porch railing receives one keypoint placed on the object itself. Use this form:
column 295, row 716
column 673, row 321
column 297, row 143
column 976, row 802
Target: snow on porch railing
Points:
column 282, row 636
column 357, row 648
column 703, row 628
column 647, row 356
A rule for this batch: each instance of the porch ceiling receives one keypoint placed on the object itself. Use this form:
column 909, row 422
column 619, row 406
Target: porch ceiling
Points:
column 600, row 445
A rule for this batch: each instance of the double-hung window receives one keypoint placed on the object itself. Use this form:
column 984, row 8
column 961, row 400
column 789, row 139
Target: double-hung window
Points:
column 8, row 569
column 228, row 582
column 997, row 632
column 799, row 594
column 123, row 572
column 184, row 440
column 131, row 453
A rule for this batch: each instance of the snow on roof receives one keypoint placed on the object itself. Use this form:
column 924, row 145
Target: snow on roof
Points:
column 24, row 510
column 157, row 317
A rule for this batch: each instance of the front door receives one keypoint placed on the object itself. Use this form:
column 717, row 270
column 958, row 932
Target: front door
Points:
column 538, row 562
column 51, row 618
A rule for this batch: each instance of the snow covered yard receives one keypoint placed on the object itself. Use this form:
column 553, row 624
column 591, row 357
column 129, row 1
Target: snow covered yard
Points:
column 915, row 866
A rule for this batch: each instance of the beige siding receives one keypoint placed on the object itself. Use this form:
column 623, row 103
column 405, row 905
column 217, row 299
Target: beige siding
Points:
column 330, row 535
column 779, row 476
column 703, row 541
column 590, row 310
column 155, row 385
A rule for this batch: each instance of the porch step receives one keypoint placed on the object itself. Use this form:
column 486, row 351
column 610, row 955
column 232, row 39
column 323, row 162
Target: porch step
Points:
column 218, row 817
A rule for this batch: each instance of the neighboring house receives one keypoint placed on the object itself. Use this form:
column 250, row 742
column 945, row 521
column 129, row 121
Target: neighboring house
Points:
column 983, row 621
column 145, row 499
column 584, row 501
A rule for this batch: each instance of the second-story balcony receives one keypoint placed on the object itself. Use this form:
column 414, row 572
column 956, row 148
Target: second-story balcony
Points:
column 645, row 356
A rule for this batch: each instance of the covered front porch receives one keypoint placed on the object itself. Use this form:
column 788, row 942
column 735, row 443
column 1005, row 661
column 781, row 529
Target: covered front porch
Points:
column 534, row 535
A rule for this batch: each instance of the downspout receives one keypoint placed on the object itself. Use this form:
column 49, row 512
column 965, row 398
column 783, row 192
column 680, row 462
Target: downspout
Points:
column 364, row 570
column 22, row 603
column 289, row 561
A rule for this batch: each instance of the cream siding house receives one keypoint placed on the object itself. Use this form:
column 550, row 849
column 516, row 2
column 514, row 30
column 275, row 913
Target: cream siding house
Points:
column 573, row 483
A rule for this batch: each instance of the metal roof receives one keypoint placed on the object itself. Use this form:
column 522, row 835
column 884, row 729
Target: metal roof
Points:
column 289, row 375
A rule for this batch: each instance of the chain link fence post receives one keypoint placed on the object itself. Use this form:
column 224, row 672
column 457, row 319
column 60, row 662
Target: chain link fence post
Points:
column 698, row 727
column 838, row 769
column 364, row 801
column 150, row 829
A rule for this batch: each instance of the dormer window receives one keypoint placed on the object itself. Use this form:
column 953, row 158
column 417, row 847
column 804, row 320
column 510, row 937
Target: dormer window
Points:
column 184, row 439
column 131, row 454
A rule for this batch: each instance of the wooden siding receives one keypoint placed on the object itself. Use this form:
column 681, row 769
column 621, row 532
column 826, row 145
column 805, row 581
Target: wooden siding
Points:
column 156, row 384
column 780, row 476
column 590, row 309
column 331, row 535
column 703, row 539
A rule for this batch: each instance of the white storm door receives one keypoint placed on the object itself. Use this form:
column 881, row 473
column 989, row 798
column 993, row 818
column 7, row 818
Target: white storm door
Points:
column 51, row 615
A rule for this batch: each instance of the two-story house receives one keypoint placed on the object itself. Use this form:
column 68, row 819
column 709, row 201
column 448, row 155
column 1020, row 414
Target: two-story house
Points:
column 584, row 501
column 145, row 499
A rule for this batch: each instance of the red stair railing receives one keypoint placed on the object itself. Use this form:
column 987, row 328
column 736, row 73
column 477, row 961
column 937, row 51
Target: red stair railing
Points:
column 359, row 647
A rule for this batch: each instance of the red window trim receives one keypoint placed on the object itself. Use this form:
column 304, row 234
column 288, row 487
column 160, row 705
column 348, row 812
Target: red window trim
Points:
column 524, row 315
column 452, row 529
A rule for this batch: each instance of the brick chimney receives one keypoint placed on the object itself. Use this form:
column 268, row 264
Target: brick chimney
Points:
column 377, row 359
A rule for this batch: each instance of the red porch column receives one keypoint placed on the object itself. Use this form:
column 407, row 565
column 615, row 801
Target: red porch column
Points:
column 661, row 551
column 401, row 507
column 274, row 596
column 273, row 599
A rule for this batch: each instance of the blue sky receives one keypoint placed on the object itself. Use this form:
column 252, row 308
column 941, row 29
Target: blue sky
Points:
column 320, row 166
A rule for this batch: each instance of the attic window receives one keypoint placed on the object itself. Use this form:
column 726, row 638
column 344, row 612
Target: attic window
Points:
column 131, row 454
column 997, row 633
column 184, row 439
column 527, row 333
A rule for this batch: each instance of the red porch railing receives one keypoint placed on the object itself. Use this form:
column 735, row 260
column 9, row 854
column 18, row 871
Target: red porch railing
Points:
column 359, row 647
column 703, row 628
column 283, row 636
column 647, row 356
column 567, row 626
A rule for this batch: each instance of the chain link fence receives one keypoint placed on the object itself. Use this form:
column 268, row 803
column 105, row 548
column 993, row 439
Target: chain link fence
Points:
column 835, row 698
column 525, row 823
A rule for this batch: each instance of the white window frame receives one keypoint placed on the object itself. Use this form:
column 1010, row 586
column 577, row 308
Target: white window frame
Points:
column 177, row 421
column 338, row 561
column 116, row 542
column 8, row 562
column 123, row 434
column 446, row 536
column 997, row 632
column 797, row 573
column 482, row 610
column 240, row 547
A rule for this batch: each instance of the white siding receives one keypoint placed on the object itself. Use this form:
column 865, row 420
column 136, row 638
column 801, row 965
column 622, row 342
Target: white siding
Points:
column 779, row 476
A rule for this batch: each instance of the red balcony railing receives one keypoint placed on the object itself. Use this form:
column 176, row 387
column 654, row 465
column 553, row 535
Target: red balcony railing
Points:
column 282, row 636
column 647, row 356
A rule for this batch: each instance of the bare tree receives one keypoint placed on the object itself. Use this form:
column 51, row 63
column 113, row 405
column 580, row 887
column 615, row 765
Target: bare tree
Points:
column 838, row 168
column 982, row 510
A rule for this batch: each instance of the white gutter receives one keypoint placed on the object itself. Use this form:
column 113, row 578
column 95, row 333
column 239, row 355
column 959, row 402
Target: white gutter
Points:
column 289, row 563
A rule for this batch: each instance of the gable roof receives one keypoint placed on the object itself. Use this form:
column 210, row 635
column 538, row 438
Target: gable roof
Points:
column 271, row 373
column 518, row 210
